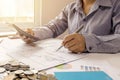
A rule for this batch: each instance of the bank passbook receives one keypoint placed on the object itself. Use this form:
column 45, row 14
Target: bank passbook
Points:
column 21, row 32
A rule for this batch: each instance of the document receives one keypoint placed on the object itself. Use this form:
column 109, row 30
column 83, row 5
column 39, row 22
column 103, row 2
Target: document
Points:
column 39, row 55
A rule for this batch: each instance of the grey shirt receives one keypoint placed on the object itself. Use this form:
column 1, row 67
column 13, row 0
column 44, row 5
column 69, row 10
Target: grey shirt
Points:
column 101, row 25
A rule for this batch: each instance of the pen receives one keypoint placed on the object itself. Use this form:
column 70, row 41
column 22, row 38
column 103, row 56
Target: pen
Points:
column 77, row 31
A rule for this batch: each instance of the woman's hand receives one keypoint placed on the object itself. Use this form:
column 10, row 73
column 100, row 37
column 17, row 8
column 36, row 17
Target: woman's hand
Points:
column 27, row 39
column 74, row 42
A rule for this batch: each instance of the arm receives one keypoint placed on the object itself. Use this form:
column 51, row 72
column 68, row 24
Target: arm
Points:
column 109, row 43
column 54, row 28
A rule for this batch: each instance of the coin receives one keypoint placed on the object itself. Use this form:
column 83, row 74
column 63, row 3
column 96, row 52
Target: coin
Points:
column 19, row 72
column 2, row 70
column 15, row 64
column 2, row 64
column 24, row 79
column 7, row 66
column 24, row 66
column 22, row 75
column 28, row 73
column 13, row 68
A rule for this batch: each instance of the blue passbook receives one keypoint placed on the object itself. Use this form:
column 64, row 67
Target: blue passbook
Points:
column 91, row 75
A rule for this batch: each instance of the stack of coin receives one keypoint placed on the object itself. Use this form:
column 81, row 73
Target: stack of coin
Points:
column 24, row 67
column 19, row 73
column 29, row 75
column 15, row 70
column 15, row 66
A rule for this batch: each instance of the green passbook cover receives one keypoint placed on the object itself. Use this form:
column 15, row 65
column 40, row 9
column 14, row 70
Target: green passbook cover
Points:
column 90, row 75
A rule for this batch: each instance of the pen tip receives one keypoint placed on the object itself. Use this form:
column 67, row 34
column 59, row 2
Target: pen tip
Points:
column 59, row 48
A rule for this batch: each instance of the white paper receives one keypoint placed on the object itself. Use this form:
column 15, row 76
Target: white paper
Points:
column 105, row 62
column 40, row 55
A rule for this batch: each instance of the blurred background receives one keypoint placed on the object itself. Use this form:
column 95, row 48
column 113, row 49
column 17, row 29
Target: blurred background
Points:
column 28, row 13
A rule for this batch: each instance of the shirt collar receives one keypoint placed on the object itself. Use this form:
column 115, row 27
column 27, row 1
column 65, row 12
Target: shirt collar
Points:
column 104, row 3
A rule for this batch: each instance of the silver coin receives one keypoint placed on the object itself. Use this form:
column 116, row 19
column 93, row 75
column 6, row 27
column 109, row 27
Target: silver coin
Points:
column 2, row 64
column 24, row 66
column 25, row 69
column 13, row 68
column 22, row 75
column 19, row 72
column 15, row 64
column 24, row 79
column 2, row 70
column 7, row 66
column 28, row 73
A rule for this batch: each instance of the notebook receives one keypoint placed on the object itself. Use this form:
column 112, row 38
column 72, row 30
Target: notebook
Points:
column 86, row 75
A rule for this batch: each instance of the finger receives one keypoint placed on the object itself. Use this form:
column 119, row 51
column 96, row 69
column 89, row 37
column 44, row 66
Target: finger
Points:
column 22, row 36
column 66, row 42
column 26, row 39
column 70, row 44
column 68, row 38
column 30, row 31
column 77, row 48
column 29, row 40
column 73, row 48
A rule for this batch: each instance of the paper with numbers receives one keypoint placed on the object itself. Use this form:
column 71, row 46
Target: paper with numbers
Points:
column 40, row 55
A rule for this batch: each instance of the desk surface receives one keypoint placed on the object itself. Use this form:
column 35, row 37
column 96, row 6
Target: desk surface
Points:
column 107, row 62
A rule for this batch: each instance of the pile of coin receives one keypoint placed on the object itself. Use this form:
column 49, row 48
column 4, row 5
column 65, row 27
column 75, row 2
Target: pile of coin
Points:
column 14, row 65
column 29, row 75
column 14, row 70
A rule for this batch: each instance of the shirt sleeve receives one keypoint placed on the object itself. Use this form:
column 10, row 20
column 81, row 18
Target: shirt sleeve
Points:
column 55, row 27
column 108, row 43
column 42, row 33
column 60, row 23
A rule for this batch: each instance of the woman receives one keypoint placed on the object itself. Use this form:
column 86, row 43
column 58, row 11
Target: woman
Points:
column 101, row 31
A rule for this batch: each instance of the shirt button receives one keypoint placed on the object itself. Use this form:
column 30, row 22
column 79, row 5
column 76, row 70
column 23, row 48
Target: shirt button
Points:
column 84, row 19
column 90, row 48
